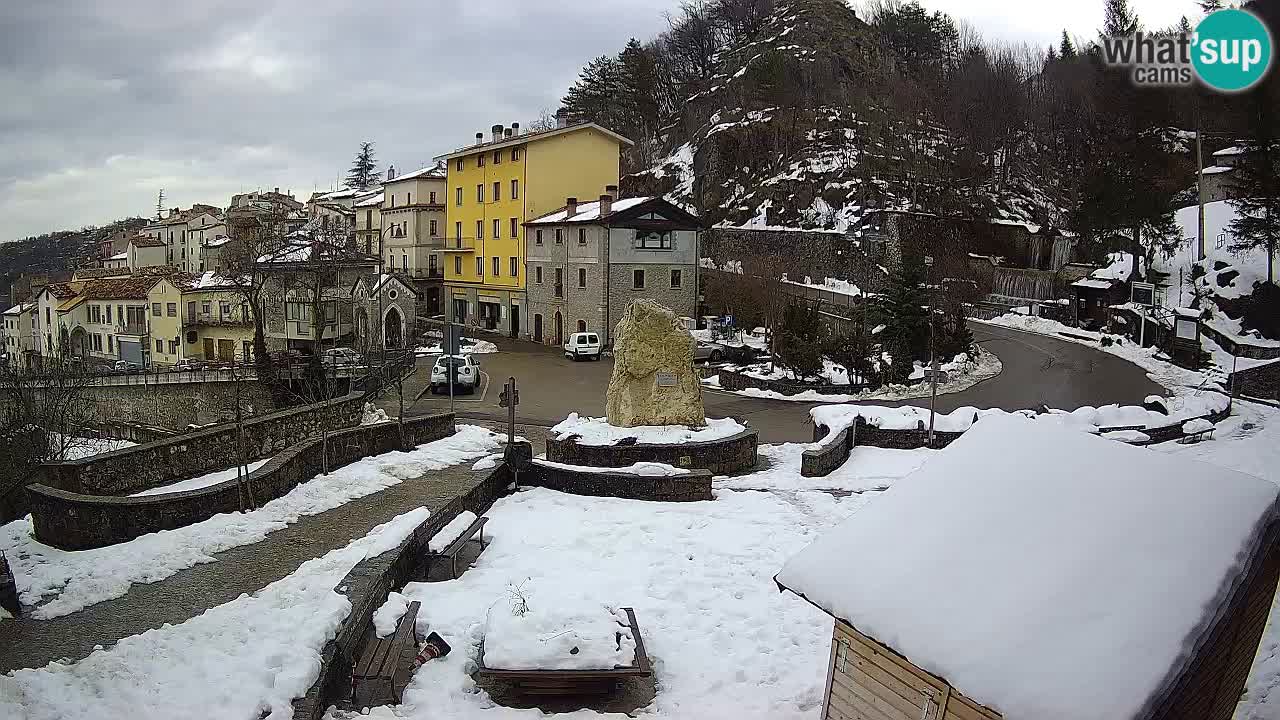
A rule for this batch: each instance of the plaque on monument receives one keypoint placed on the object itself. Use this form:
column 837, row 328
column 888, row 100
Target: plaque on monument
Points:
column 666, row 379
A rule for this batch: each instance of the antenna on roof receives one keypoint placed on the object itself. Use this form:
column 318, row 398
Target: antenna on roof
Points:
column 160, row 204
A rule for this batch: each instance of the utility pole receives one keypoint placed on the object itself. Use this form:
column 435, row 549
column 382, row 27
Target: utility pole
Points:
column 1200, row 194
column 160, row 204
column 933, row 361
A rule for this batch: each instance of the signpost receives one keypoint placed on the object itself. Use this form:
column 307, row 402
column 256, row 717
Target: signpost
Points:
column 509, row 399
column 933, row 361
column 1142, row 294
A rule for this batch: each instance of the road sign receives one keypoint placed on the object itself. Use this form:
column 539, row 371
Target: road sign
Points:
column 1143, row 293
column 930, row 374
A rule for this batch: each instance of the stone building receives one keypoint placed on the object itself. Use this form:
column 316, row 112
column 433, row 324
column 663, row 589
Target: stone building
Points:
column 294, row 275
column 412, row 232
column 588, row 261
column 387, row 302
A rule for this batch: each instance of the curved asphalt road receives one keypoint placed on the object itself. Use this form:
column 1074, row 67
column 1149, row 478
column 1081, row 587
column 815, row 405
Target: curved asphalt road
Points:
column 1038, row 370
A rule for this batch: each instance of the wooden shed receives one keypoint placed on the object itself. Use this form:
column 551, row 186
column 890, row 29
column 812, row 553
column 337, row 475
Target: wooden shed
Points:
column 1035, row 571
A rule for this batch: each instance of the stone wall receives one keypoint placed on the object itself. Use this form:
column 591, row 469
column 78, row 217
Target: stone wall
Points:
column 1262, row 381
column 1236, row 346
column 8, row 590
column 74, row 521
column 177, row 406
column 731, row 380
column 721, row 457
column 691, row 486
column 142, row 467
column 831, row 454
column 367, row 584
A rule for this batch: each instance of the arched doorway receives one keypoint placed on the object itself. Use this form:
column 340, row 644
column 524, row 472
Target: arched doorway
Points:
column 559, row 329
column 582, row 326
column 362, row 327
column 78, row 342
column 537, row 327
column 392, row 329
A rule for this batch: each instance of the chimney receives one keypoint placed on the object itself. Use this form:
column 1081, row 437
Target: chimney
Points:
column 515, row 128
column 606, row 204
column 391, row 172
column 570, row 207
column 506, row 133
column 497, row 132
column 612, row 190
column 479, row 138
column 562, row 118
column 277, row 191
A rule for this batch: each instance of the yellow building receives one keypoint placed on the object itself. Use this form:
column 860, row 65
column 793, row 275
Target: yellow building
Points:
column 217, row 324
column 492, row 189
column 164, row 298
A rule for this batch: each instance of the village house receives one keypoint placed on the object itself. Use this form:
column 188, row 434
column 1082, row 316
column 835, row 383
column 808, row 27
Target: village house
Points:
column 588, row 261
column 17, row 334
column 217, row 324
column 384, row 310
column 412, row 232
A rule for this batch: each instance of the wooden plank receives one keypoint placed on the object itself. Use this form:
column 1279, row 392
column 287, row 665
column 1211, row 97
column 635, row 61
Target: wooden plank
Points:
column 851, row 703
column 461, row 541
column 899, row 709
column 960, row 707
column 888, row 675
column 831, row 669
column 878, row 650
column 642, row 657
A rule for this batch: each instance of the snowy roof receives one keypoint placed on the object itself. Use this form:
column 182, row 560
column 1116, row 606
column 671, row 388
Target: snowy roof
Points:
column 1233, row 150
column 1216, row 169
column 586, row 212
column 217, row 242
column 434, row 171
column 1093, row 284
column 1119, row 267
column 19, row 309
column 120, row 256
column 1187, row 312
column 1044, row 572
column 371, row 201
column 534, row 136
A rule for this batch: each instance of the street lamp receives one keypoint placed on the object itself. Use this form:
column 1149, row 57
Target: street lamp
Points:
column 933, row 360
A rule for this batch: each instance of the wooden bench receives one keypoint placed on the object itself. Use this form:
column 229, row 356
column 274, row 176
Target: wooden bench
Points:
column 1196, row 437
column 573, row 682
column 455, row 548
column 382, row 670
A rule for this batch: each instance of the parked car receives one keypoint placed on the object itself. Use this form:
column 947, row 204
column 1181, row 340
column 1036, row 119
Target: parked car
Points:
column 287, row 357
column 341, row 357
column 709, row 352
column 186, row 364
column 125, row 366
column 465, row 373
column 583, row 345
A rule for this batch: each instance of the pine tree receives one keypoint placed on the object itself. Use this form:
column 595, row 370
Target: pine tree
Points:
column 1257, row 185
column 364, row 172
column 1119, row 19
column 1209, row 6
column 906, row 335
column 801, row 340
column 1051, row 56
column 1066, row 48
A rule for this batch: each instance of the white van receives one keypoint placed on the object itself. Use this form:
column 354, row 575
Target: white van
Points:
column 583, row 345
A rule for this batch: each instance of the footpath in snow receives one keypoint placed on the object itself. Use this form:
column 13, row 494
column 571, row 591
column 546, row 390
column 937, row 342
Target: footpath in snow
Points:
column 68, row 581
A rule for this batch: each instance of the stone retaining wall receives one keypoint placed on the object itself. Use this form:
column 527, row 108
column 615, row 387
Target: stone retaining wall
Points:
column 367, row 587
column 75, row 521
column 691, row 486
column 721, row 457
column 732, row 380
column 824, row 460
column 1235, row 346
column 162, row 462
column 1262, row 381
column 8, row 590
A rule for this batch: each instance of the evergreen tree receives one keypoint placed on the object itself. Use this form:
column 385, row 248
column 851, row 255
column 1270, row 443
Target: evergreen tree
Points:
column 906, row 335
column 1066, row 49
column 1257, row 185
column 364, row 172
column 1209, row 6
column 801, row 340
column 854, row 351
column 1119, row 19
column 1051, row 55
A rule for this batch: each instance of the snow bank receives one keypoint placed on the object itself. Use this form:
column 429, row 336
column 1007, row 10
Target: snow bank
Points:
column 374, row 415
column 598, row 431
column 78, row 448
column 1127, row 436
column 201, row 481
column 78, row 579
column 451, row 532
column 1069, row 593
column 725, row 642
column 648, row 469
column 387, row 616
column 244, row 659
column 478, row 347
column 558, row 633
column 1197, row 425
column 907, row 417
column 868, row 468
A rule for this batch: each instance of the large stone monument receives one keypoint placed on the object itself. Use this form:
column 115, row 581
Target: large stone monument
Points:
column 653, row 380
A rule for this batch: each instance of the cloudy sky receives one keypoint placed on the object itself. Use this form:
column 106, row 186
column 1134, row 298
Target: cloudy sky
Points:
column 108, row 101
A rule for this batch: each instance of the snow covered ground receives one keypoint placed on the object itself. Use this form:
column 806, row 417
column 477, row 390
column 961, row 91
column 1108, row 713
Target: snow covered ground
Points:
column 244, row 659
column 868, row 468
column 648, row 469
column 562, row 631
column 598, row 431
column 200, row 481
column 466, row 347
column 68, row 581
column 77, row 448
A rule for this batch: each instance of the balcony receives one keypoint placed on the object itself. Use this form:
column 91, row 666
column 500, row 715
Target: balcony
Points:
column 138, row 329
column 215, row 320
column 435, row 273
column 459, row 245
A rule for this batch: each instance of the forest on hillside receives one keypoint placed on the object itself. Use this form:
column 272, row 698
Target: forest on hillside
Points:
column 808, row 113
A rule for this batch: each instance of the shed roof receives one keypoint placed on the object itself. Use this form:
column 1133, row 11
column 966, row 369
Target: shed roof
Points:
column 437, row 171
column 1043, row 571
column 128, row 288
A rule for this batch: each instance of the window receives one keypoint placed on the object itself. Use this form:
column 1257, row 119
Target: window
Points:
column 119, row 313
column 480, row 266
column 159, row 345
column 108, row 314
column 408, row 198
column 497, row 157
column 391, row 259
column 497, row 266
column 171, row 309
column 676, row 278
column 206, row 307
column 559, row 236
column 515, row 267
column 457, row 233
column 582, row 278
column 497, row 191
column 653, row 240
column 537, row 274
column 173, row 347
column 515, row 189
column 515, row 227
column 480, row 193
column 480, row 160
column 404, row 261
column 515, row 154
column 537, row 236
column 457, row 264
column 224, row 310
column 582, row 236
column 457, row 196
column 458, row 165
column 637, row 279
column 155, row 309
column 433, row 228
column 111, row 343
column 479, row 229
column 559, row 282
column 393, row 199
column 497, row 228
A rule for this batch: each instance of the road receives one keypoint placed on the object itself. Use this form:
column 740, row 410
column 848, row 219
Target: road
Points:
column 1038, row 370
